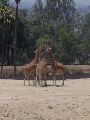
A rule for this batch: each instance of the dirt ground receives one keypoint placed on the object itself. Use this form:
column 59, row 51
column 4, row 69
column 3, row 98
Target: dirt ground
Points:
column 70, row 102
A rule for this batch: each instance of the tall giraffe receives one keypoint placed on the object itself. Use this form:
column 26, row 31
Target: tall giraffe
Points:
column 41, row 72
column 31, row 68
column 57, row 67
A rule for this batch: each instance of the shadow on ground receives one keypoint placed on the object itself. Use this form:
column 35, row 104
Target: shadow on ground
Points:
column 68, row 76
column 49, row 77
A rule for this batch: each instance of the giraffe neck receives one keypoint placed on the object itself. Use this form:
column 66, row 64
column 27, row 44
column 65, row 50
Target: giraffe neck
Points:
column 36, row 58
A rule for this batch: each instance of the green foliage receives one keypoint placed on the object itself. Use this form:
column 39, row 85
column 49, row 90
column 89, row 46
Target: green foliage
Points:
column 4, row 2
column 7, row 15
column 67, row 46
column 42, row 41
column 7, row 21
column 26, row 41
column 52, row 22
column 83, row 53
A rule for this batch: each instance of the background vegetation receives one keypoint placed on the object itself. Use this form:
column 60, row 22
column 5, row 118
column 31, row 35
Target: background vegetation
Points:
column 54, row 22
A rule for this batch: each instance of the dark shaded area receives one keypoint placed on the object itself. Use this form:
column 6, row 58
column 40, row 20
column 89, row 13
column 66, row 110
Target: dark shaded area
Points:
column 71, row 76
column 68, row 76
column 78, row 76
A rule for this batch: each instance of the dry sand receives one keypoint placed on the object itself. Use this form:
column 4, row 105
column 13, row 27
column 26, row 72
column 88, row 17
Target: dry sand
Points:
column 70, row 102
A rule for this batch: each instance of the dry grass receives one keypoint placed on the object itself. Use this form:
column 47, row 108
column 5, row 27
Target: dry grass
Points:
column 77, row 69
column 70, row 69
column 9, row 70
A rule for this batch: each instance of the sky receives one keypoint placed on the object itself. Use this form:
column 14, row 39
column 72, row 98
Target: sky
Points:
column 83, row 2
column 29, row 3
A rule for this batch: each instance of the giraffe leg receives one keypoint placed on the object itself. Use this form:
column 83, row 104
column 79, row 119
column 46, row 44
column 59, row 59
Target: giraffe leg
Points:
column 36, row 81
column 63, row 80
column 55, row 80
column 24, row 79
column 62, row 75
column 53, row 74
column 40, row 79
column 28, row 80
column 45, row 82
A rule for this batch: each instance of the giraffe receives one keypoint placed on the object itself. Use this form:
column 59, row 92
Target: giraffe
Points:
column 31, row 68
column 57, row 67
column 41, row 72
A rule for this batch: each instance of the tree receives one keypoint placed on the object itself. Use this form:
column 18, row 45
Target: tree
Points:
column 84, row 45
column 50, row 18
column 4, row 2
column 67, row 46
column 63, row 12
column 7, row 17
column 7, row 20
column 42, row 41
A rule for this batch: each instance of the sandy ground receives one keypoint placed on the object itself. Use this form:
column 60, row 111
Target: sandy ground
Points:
column 70, row 102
